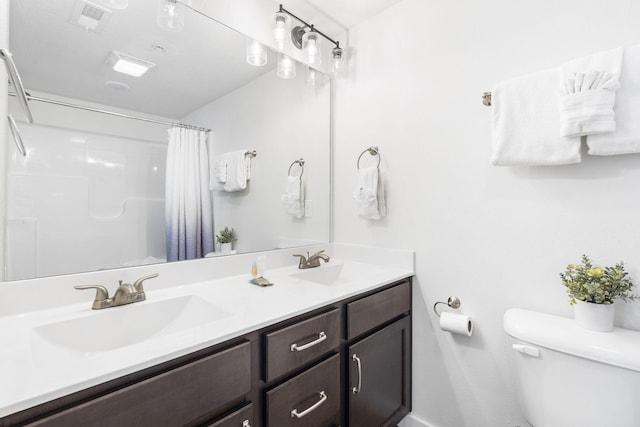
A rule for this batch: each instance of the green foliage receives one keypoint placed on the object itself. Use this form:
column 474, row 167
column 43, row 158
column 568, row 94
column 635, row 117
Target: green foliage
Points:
column 587, row 283
column 226, row 236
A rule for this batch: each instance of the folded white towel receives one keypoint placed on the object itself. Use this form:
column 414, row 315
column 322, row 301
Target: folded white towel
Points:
column 369, row 194
column 526, row 122
column 236, row 171
column 293, row 197
column 626, row 138
column 218, row 175
column 588, row 93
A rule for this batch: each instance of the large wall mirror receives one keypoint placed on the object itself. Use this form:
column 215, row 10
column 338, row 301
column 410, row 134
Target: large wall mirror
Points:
column 90, row 193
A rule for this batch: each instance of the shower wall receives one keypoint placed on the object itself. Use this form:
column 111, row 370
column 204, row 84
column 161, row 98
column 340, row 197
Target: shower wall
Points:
column 83, row 200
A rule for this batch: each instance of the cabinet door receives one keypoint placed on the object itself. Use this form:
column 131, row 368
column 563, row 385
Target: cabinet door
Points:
column 380, row 379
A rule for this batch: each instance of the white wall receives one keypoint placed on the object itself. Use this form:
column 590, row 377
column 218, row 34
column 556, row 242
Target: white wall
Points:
column 283, row 120
column 495, row 237
column 4, row 42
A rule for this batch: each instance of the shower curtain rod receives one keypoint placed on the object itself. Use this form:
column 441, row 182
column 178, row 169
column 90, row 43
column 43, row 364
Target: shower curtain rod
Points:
column 112, row 113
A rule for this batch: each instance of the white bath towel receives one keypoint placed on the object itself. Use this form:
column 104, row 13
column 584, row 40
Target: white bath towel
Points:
column 626, row 138
column 588, row 93
column 236, row 171
column 293, row 196
column 369, row 194
column 526, row 122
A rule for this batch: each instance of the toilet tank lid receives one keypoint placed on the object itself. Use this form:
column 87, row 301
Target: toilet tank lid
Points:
column 620, row 347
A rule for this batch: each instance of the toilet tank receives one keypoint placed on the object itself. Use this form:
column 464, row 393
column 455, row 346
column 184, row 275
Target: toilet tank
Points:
column 568, row 376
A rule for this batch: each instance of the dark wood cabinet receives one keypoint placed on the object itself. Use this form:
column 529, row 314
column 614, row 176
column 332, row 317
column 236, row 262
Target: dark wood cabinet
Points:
column 379, row 388
column 345, row 365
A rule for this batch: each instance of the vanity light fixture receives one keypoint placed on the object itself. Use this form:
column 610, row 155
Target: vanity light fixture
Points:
column 127, row 64
column 308, row 38
column 256, row 53
column 281, row 28
column 170, row 15
column 286, row 67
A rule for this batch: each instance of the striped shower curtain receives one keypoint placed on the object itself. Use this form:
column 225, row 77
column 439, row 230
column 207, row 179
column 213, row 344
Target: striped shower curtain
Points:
column 188, row 209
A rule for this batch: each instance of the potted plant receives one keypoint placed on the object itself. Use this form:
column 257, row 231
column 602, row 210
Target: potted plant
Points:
column 226, row 238
column 592, row 291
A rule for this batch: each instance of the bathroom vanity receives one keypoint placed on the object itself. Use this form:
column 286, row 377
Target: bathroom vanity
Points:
column 338, row 353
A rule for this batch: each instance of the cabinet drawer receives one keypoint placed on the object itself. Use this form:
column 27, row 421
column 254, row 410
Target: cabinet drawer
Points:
column 173, row 398
column 369, row 312
column 314, row 395
column 243, row 417
column 293, row 346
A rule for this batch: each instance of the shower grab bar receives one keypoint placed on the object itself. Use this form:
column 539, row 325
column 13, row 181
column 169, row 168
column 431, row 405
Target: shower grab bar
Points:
column 12, row 71
column 374, row 152
column 16, row 135
column 299, row 162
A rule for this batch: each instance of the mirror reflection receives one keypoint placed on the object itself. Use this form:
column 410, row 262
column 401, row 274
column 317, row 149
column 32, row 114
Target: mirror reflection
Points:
column 92, row 191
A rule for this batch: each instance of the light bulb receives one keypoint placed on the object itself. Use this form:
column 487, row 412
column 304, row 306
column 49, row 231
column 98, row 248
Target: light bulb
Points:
column 286, row 67
column 170, row 15
column 256, row 53
column 311, row 43
column 280, row 29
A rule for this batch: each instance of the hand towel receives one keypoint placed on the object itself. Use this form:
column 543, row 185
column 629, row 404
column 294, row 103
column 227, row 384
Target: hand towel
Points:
column 369, row 194
column 218, row 175
column 588, row 93
column 236, row 171
column 526, row 121
column 293, row 197
column 626, row 138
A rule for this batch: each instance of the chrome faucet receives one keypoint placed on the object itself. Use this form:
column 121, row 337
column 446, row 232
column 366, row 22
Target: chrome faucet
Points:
column 125, row 294
column 313, row 260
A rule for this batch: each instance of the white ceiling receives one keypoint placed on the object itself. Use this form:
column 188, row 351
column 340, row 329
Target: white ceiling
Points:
column 54, row 56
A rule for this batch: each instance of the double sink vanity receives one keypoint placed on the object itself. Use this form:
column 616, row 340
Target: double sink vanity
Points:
column 324, row 346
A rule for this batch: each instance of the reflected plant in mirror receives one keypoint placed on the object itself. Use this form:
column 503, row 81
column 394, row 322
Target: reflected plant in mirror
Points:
column 91, row 194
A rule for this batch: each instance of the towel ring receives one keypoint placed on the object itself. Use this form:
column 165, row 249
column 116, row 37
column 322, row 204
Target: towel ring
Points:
column 299, row 162
column 374, row 152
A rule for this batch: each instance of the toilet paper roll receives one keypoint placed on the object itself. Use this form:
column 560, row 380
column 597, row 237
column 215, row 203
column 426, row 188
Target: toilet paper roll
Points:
column 456, row 323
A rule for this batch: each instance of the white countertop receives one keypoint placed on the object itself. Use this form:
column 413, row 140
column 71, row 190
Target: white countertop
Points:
column 34, row 370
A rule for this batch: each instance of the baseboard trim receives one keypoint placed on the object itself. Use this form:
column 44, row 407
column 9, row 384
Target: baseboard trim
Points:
column 413, row 421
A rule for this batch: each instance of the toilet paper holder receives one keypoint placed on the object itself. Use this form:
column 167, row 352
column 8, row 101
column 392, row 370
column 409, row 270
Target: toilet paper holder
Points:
column 453, row 302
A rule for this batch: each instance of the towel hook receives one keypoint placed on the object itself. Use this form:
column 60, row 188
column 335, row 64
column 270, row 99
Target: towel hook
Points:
column 299, row 162
column 373, row 150
column 452, row 302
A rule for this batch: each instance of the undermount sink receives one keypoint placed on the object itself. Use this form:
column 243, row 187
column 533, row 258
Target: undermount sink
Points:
column 113, row 328
column 336, row 274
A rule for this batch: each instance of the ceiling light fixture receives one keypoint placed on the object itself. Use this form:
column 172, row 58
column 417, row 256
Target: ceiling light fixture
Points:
column 306, row 37
column 127, row 64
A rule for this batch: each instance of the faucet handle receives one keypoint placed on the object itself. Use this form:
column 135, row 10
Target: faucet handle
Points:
column 137, row 285
column 102, row 299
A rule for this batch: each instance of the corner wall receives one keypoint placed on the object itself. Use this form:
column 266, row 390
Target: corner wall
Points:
column 496, row 237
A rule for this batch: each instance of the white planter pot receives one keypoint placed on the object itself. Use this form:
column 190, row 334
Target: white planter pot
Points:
column 595, row 317
column 225, row 248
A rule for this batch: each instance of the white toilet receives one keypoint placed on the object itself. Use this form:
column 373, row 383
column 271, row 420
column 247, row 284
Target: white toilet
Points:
column 568, row 376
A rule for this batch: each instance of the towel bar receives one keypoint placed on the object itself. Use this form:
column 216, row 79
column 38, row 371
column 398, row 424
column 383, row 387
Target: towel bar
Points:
column 299, row 162
column 373, row 151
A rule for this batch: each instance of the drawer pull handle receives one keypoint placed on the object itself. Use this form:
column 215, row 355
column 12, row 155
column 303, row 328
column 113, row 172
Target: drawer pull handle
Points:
column 321, row 337
column 296, row 414
column 356, row 390
column 245, row 423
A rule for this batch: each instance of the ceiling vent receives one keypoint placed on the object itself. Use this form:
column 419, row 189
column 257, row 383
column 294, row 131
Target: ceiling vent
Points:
column 90, row 16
